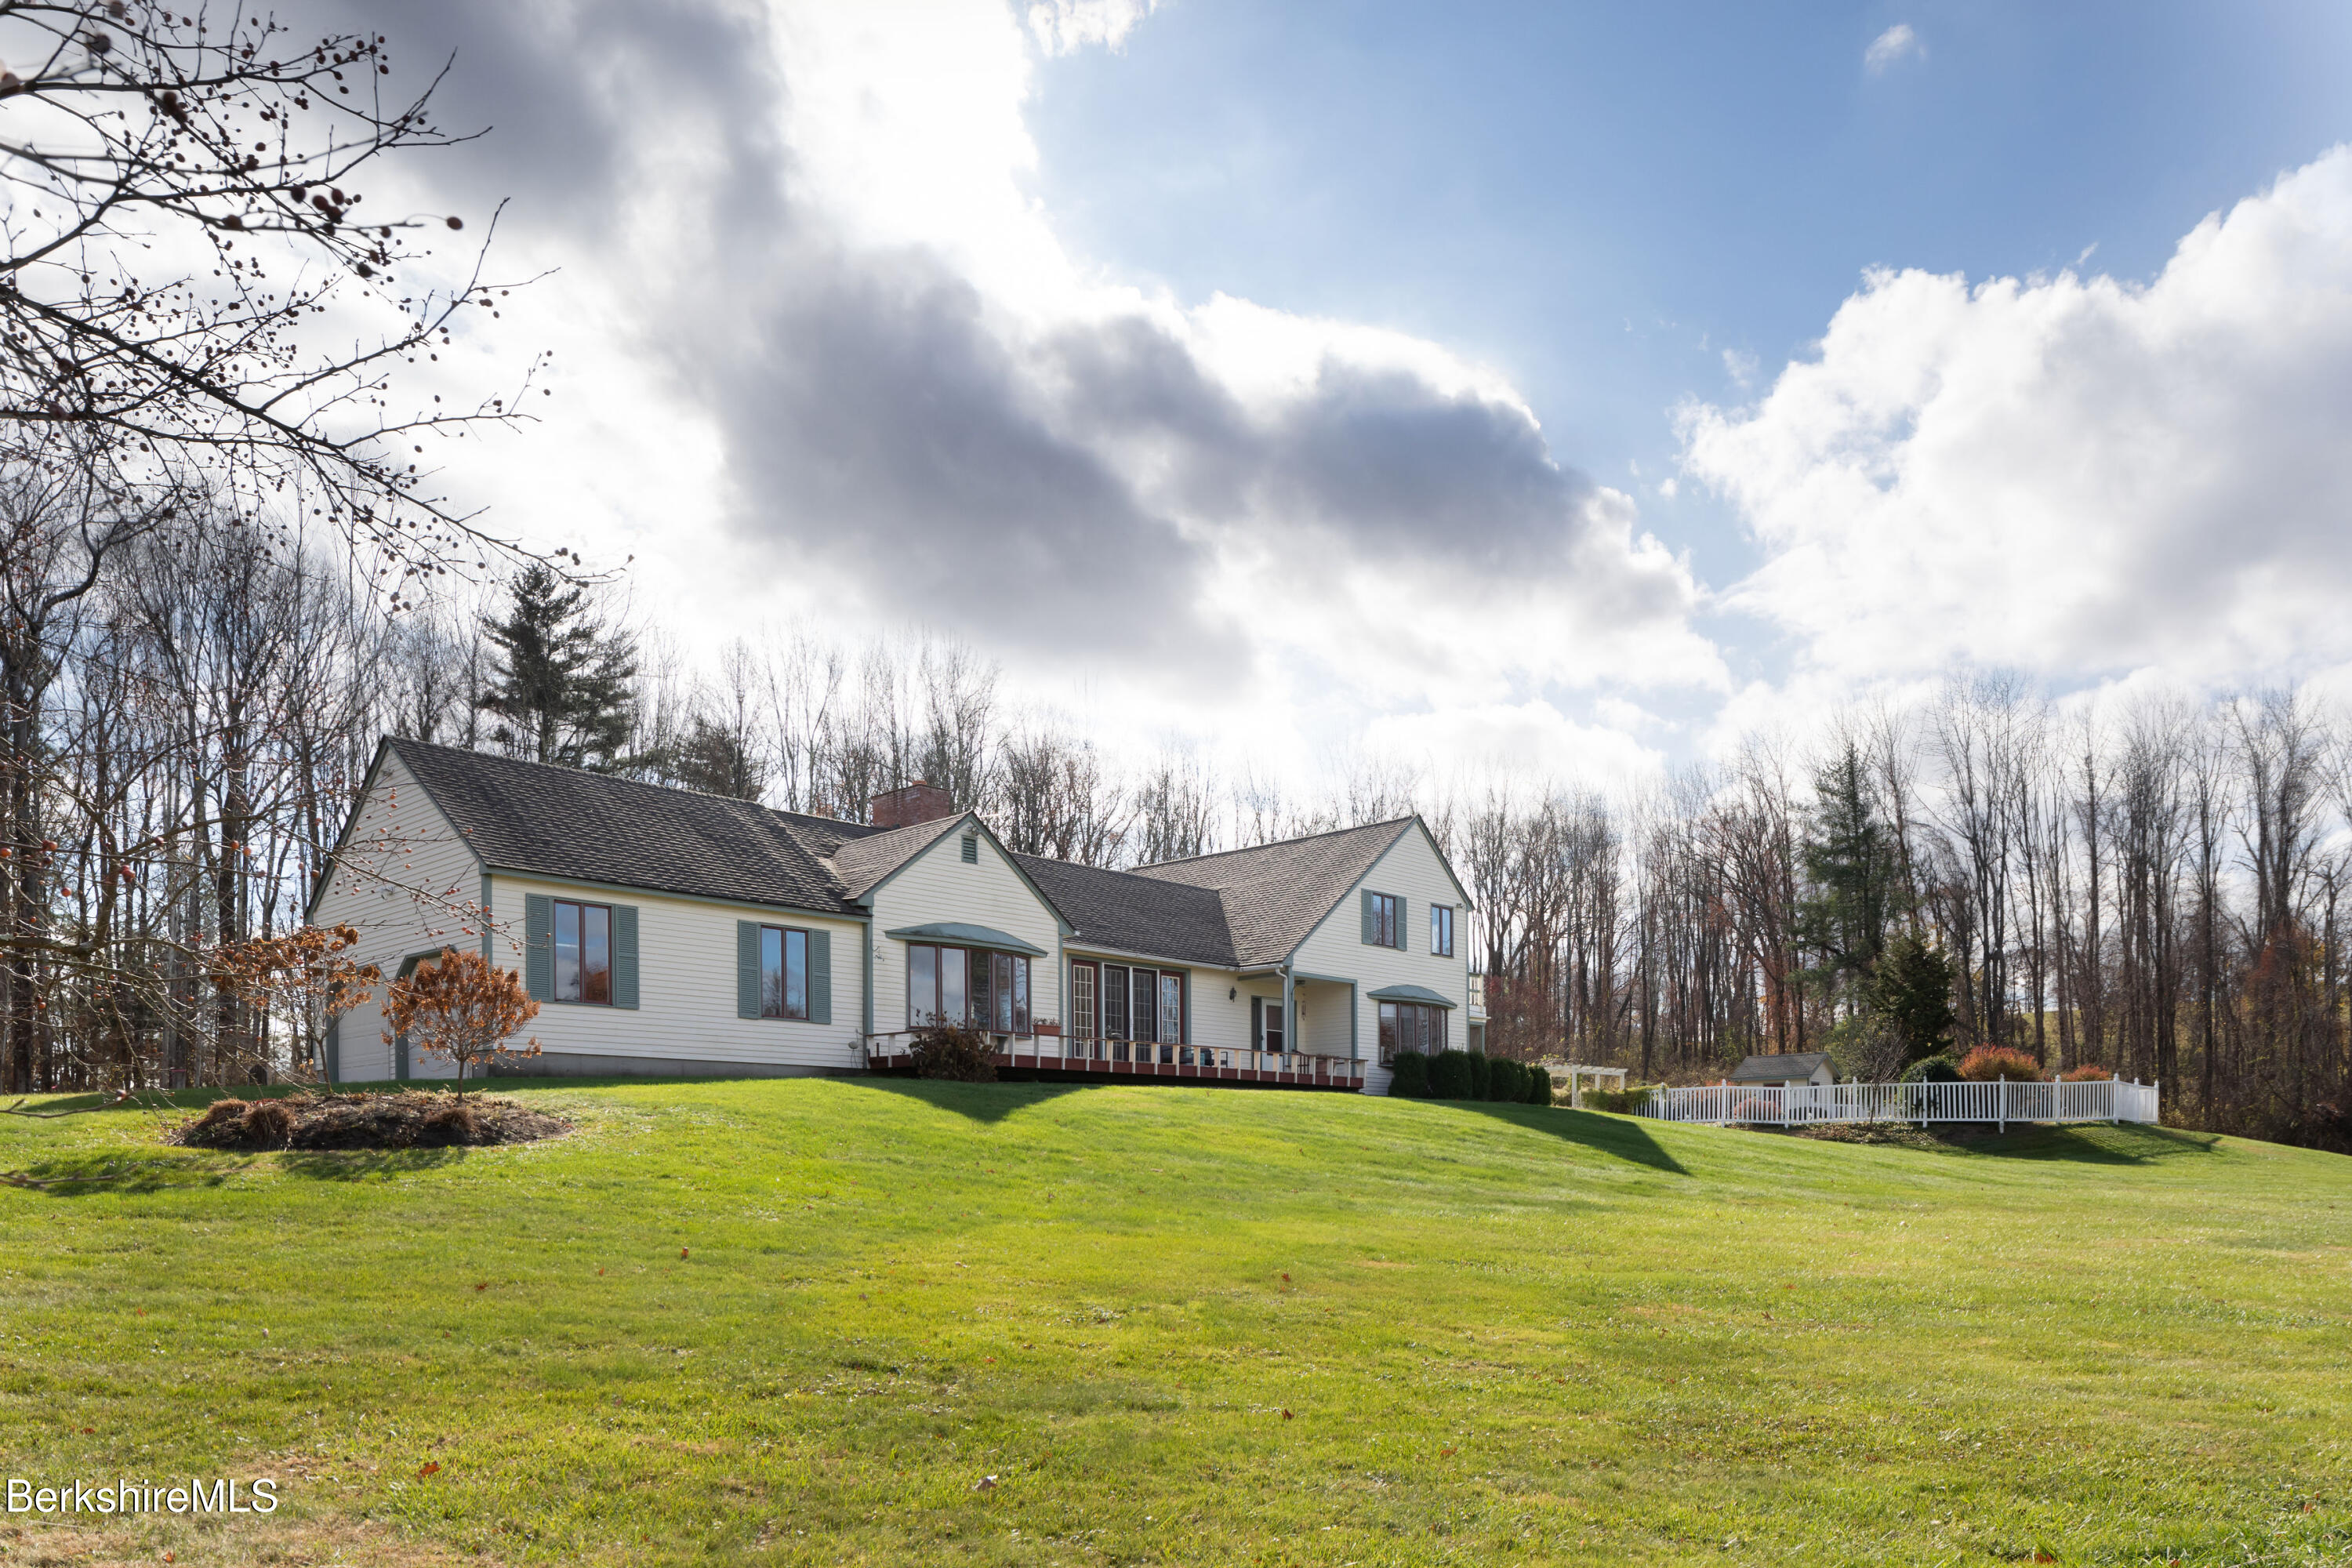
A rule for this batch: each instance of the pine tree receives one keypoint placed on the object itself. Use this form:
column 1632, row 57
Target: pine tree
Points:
column 1850, row 862
column 561, row 683
column 1911, row 991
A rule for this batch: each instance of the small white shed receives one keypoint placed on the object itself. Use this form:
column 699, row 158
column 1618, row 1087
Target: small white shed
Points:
column 1789, row 1069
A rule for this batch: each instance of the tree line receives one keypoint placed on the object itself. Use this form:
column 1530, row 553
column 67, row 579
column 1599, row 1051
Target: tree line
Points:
column 2150, row 886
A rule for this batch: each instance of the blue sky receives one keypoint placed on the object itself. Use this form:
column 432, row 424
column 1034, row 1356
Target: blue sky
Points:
column 1603, row 198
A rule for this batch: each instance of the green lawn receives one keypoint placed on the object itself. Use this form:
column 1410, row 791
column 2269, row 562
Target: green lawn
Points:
column 800, row 1321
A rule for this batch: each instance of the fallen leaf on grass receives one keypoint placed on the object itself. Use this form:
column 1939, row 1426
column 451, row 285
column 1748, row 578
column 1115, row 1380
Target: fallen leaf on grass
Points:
column 985, row 1484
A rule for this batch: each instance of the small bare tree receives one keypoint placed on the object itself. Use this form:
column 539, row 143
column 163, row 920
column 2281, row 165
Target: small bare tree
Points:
column 458, row 1005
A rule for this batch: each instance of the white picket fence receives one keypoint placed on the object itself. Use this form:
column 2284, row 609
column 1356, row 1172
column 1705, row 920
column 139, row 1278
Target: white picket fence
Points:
column 1761, row 1105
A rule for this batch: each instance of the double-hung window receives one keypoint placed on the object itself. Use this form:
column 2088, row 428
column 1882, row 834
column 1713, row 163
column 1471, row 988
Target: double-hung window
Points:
column 1381, row 915
column 783, row 973
column 1441, row 929
column 583, row 951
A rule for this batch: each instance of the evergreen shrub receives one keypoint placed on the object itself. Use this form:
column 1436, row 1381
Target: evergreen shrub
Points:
column 1481, row 1069
column 1411, row 1080
column 1506, row 1079
column 1449, row 1076
column 1539, row 1085
column 1932, row 1070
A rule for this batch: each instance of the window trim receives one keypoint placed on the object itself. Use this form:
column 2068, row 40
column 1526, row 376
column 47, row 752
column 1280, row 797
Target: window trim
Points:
column 1445, row 948
column 1388, row 915
column 783, row 1012
column 555, row 951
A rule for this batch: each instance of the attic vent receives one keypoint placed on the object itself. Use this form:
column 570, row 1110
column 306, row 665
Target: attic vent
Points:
column 971, row 850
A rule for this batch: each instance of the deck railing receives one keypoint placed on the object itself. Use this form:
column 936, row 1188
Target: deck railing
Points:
column 1999, row 1103
column 1141, row 1058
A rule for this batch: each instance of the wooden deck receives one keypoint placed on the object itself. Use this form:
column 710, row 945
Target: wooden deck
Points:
column 1248, row 1068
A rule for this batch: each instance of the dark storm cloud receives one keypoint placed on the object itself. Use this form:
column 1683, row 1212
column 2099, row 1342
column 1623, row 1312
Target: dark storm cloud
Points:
column 874, row 421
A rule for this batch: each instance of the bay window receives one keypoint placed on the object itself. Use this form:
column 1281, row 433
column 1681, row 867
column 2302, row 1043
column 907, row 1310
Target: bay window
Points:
column 1411, row 1027
column 955, row 985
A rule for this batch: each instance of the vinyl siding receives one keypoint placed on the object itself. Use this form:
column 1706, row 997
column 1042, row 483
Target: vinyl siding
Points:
column 407, row 883
column 1411, row 868
column 685, row 984
column 936, row 886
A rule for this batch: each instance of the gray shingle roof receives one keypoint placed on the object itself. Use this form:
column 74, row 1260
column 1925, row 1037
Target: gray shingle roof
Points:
column 1787, row 1067
column 1137, row 914
column 1275, row 894
column 1241, row 908
column 590, row 828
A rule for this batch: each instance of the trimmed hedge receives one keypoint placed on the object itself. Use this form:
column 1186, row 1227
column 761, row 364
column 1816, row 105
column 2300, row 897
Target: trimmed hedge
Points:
column 1932, row 1070
column 1466, row 1075
column 1411, row 1075
column 1506, row 1080
column 1449, row 1076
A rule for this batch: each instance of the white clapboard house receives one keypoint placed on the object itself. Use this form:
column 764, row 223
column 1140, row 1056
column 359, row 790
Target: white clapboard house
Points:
column 665, row 932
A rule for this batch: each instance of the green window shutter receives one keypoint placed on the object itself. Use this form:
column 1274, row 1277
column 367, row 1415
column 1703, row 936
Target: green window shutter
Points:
column 624, row 955
column 820, row 976
column 1371, row 934
column 487, row 921
column 1404, row 921
column 747, row 969
column 539, row 946
column 334, row 1050
column 1257, row 1023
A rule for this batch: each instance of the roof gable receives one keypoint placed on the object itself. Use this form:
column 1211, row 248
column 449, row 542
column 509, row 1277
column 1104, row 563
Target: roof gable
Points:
column 1274, row 895
column 865, row 863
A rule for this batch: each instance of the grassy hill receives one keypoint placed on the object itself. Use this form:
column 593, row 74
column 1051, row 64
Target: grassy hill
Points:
column 802, row 1321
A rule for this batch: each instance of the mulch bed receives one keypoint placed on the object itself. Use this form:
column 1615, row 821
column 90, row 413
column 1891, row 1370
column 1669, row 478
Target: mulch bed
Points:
column 409, row 1120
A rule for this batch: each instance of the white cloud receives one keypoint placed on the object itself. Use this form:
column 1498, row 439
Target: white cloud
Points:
column 1064, row 26
column 2075, row 476
column 1897, row 43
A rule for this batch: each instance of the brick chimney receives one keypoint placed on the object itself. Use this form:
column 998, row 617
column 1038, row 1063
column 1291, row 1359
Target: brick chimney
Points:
column 921, row 801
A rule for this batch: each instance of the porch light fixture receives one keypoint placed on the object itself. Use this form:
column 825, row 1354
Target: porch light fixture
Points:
column 1232, row 992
